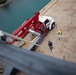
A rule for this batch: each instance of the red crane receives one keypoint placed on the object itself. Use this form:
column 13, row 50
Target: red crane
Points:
column 31, row 23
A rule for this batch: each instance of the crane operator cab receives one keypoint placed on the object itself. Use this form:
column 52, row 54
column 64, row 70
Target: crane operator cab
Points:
column 47, row 21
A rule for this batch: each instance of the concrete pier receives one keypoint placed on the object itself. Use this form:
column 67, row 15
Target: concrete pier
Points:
column 64, row 14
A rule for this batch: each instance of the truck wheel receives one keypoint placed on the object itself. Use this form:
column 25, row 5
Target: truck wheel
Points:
column 53, row 25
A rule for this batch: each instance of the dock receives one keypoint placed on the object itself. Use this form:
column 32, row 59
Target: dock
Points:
column 64, row 14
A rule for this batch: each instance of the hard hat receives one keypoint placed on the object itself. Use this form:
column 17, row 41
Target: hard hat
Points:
column 59, row 31
column 1, row 34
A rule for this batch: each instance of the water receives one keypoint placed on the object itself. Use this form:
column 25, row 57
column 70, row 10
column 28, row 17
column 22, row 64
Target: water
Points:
column 16, row 12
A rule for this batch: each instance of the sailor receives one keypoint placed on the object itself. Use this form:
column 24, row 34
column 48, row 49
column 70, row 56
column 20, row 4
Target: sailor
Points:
column 50, row 44
column 59, row 34
column 4, row 37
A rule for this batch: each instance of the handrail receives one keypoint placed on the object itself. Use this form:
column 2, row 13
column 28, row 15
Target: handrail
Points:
column 33, row 63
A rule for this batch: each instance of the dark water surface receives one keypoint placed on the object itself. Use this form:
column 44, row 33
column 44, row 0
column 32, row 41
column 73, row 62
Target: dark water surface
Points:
column 16, row 12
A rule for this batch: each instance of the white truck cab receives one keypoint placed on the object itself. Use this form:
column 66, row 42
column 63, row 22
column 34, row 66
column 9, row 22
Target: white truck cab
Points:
column 47, row 21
